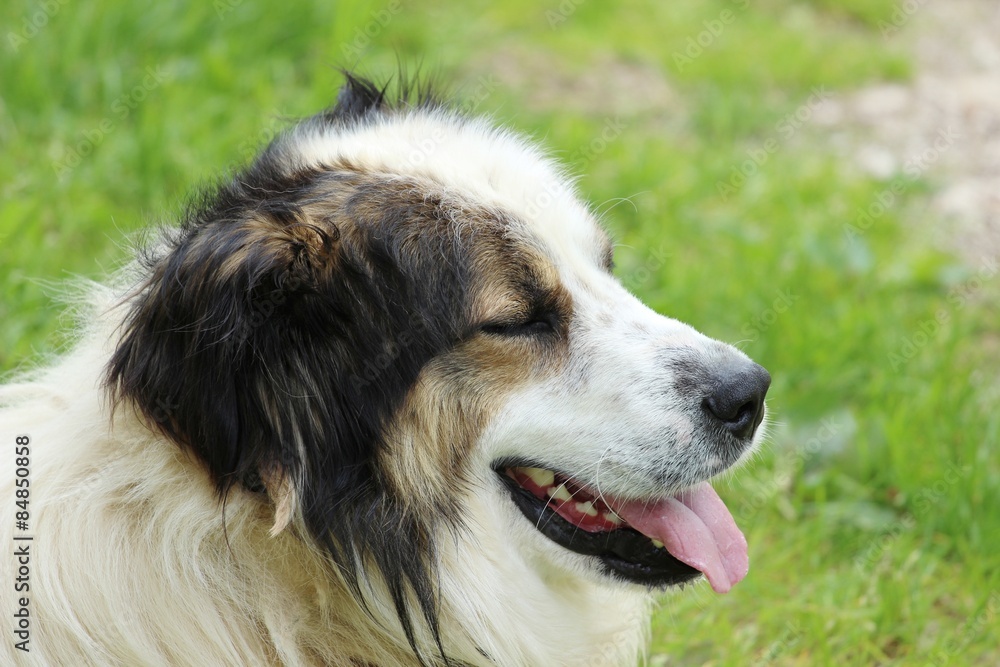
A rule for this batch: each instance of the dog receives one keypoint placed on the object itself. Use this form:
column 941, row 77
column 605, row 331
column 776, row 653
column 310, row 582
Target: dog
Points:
column 377, row 400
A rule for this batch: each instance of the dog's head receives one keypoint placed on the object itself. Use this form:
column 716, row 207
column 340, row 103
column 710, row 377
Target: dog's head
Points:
column 396, row 311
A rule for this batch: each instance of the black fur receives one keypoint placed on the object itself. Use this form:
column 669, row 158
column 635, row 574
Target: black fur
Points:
column 359, row 98
column 255, row 322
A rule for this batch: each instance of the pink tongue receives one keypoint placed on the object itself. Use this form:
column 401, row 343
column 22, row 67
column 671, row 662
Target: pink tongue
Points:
column 697, row 529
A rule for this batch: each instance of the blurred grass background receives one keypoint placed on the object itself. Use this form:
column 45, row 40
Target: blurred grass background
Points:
column 872, row 514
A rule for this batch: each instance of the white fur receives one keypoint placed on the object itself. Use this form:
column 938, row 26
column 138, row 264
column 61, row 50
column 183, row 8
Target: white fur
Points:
column 131, row 566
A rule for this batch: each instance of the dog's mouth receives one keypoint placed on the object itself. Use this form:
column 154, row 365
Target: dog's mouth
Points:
column 660, row 542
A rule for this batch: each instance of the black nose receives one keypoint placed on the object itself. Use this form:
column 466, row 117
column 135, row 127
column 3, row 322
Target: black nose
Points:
column 738, row 399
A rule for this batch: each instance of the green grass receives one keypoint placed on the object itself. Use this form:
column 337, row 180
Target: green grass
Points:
column 871, row 514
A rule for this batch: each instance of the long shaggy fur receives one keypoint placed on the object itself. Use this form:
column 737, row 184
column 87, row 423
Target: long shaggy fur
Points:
column 275, row 441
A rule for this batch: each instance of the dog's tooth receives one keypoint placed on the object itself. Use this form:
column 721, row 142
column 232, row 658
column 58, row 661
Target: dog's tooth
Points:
column 540, row 476
column 586, row 508
column 611, row 517
column 559, row 493
column 658, row 544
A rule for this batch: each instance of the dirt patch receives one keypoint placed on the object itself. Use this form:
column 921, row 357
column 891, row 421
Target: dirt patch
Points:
column 943, row 126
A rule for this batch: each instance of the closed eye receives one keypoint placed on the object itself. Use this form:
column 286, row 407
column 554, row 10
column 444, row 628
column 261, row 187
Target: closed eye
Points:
column 535, row 326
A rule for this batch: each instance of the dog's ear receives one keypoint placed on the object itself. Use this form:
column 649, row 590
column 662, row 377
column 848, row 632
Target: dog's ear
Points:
column 208, row 351
column 279, row 350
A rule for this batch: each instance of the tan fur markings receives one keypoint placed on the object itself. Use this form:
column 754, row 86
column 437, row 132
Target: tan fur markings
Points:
column 458, row 393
